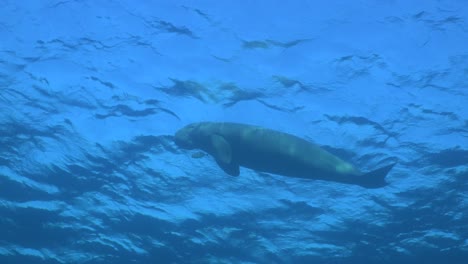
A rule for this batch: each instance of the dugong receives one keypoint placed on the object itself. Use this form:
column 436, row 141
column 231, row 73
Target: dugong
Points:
column 266, row 150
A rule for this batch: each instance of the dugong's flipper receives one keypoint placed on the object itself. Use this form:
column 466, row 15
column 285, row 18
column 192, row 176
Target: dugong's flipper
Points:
column 375, row 178
column 229, row 168
column 223, row 155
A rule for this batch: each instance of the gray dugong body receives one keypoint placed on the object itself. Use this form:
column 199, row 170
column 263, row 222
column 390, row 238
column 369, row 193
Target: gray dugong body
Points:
column 233, row 145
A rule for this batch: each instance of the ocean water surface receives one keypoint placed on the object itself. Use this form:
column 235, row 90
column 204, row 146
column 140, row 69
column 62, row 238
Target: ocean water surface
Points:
column 92, row 92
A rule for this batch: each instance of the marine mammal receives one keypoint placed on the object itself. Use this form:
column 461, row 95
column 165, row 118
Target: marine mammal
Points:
column 261, row 149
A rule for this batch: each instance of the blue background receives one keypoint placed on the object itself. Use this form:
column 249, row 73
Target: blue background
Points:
column 91, row 93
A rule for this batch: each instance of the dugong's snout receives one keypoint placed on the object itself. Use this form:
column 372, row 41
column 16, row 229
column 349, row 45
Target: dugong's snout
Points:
column 184, row 139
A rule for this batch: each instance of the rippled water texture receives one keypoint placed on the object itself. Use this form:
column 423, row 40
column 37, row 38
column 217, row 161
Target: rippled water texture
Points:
column 92, row 92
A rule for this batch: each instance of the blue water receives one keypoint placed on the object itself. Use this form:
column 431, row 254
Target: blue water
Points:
column 91, row 93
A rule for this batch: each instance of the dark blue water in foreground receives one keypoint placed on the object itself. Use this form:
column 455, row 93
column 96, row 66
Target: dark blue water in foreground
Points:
column 91, row 93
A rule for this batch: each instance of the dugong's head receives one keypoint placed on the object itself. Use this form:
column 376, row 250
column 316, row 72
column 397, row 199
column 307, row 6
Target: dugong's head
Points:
column 193, row 136
column 184, row 137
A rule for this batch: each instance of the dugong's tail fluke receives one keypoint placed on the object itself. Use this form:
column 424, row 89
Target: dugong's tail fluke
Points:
column 375, row 178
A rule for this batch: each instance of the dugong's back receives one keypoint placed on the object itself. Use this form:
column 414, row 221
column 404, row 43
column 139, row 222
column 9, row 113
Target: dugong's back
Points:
column 280, row 153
